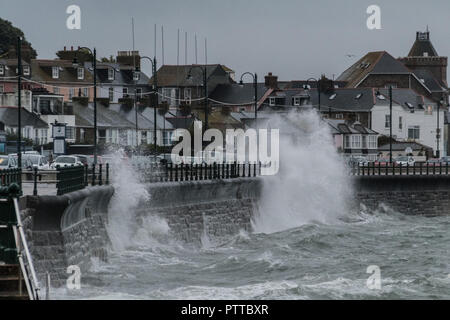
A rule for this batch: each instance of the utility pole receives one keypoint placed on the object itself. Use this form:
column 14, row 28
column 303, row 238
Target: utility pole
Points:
column 390, row 124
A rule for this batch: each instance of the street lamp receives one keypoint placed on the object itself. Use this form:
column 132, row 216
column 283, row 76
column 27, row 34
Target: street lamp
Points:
column 155, row 89
column 255, row 87
column 318, row 88
column 205, row 90
column 94, row 63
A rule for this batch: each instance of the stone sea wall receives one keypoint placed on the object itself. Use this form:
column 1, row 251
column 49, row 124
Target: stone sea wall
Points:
column 66, row 230
column 197, row 209
column 411, row 195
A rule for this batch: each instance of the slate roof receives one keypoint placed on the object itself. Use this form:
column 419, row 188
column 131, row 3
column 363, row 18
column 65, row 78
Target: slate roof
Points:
column 422, row 45
column 429, row 80
column 122, row 77
column 339, row 126
column 402, row 96
column 345, row 99
column 129, row 114
column 161, row 122
column 173, row 75
column 238, row 94
column 41, row 70
column 106, row 118
column 8, row 115
column 378, row 62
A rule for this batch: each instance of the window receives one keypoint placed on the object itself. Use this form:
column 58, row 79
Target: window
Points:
column 414, row 132
column 339, row 116
column 102, row 135
column 111, row 74
column 138, row 93
column 400, row 123
column 272, row 101
column 347, row 142
column 364, row 142
column 356, row 141
column 80, row 73
column 393, row 85
column 85, row 92
column 26, row 70
column 187, row 95
column 70, row 133
column 125, row 92
column 136, row 76
column 373, row 142
column 56, row 90
column 167, row 138
column 2, row 70
column 82, row 135
column 429, row 110
column 358, row 117
column 71, row 93
column 296, row 101
column 55, row 72
column 387, row 121
column 111, row 94
column 2, row 88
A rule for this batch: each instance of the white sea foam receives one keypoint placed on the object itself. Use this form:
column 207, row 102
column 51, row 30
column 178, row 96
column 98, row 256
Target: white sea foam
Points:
column 312, row 184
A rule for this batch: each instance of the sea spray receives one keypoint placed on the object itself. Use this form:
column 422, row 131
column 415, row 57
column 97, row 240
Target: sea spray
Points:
column 124, row 227
column 312, row 184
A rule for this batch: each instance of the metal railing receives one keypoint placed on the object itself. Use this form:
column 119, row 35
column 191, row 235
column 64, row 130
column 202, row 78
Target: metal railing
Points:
column 214, row 171
column 393, row 169
column 9, row 176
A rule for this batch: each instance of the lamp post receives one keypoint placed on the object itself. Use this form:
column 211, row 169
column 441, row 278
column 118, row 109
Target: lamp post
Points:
column 390, row 124
column 205, row 91
column 155, row 89
column 438, row 130
column 94, row 64
column 255, row 87
column 19, row 102
column 318, row 88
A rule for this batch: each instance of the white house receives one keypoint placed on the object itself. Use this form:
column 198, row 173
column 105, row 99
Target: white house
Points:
column 414, row 118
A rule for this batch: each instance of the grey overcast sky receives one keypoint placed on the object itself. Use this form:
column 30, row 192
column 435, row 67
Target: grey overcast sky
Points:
column 294, row 39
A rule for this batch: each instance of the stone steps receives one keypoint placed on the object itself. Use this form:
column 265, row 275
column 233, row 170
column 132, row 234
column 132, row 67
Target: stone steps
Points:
column 12, row 284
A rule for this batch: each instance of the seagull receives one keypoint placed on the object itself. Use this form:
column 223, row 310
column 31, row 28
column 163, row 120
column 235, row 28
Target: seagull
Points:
column 350, row 55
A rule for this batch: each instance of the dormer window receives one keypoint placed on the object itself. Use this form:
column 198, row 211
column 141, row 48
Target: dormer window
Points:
column 136, row 76
column 296, row 101
column 80, row 72
column 111, row 74
column 55, row 72
column 2, row 70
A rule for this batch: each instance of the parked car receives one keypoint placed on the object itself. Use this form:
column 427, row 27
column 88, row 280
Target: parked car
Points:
column 360, row 161
column 433, row 162
column 382, row 162
column 66, row 161
column 404, row 161
column 445, row 161
column 37, row 161
column 7, row 162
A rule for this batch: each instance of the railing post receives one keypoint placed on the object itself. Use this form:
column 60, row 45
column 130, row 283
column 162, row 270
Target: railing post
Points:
column 379, row 168
column 387, row 169
column 107, row 173
column 428, row 167
column 100, row 182
column 182, row 171
column 434, row 168
column 86, row 171
column 176, row 172
column 359, row 168
column 393, row 168
column 446, row 168
column 440, row 169
column 407, row 169
column 35, row 169
column 93, row 174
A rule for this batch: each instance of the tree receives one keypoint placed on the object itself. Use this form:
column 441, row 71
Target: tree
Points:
column 8, row 38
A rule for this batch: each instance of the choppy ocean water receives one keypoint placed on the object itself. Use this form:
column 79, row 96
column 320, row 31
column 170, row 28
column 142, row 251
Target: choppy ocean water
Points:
column 313, row 261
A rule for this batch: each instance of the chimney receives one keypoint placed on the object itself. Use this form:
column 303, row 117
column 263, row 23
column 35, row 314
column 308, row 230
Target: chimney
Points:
column 271, row 81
